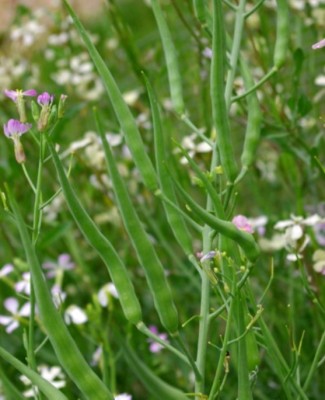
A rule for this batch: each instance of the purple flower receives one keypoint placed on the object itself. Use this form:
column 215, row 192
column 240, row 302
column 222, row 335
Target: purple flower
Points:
column 63, row 263
column 14, row 95
column 242, row 223
column 15, row 128
column 156, row 347
column 318, row 45
column 45, row 99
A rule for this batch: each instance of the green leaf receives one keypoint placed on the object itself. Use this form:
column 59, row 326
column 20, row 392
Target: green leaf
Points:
column 123, row 113
column 156, row 387
column 44, row 386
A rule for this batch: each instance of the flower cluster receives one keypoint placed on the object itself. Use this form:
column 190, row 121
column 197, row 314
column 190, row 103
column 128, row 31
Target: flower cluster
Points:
column 44, row 117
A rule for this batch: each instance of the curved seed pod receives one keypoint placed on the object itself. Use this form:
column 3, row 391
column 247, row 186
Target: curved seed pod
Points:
column 43, row 385
column 123, row 113
column 101, row 244
column 219, row 108
column 63, row 344
column 174, row 218
column 254, row 120
column 282, row 33
column 146, row 253
column 199, row 10
column 174, row 77
column 243, row 239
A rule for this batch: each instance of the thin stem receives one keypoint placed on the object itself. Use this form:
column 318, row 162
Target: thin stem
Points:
column 266, row 77
column 254, row 9
column 181, row 344
column 28, row 177
column 142, row 328
column 215, row 388
column 205, row 296
column 240, row 18
column 190, row 124
column 230, row 5
column 314, row 364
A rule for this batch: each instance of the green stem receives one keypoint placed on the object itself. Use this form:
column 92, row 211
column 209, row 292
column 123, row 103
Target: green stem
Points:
column 240, row 18
column 28, row 177
column 314, row 365
column 216, row 382
column 265, row 78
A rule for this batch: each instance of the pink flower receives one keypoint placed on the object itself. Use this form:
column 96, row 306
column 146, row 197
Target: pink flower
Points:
column 318, row 45
column 15, row 128
column 14, row 95
column 242, row 223
column 45, row 99
column 64, row 263
column 156, row 347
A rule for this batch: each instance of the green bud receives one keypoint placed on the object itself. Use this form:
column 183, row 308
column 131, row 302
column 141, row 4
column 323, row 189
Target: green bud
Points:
column 53, row 115
column 35, row 111
column 61, row 109
column 21, row 108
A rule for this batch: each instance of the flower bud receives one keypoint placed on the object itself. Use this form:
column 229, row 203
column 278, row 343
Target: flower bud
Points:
column 61, row 109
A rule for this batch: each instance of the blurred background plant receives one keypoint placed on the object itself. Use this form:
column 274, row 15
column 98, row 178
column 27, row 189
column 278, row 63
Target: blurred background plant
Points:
column 283, row 194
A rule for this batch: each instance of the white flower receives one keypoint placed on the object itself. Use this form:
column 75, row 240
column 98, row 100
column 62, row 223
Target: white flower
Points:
column 6, row 270
column 54, row 375
column 294, row 235
column 23, row 286
column 97, row 355
column 123, row 396
column 105, row 293
column 11, row 304
column 75, row 315
column 259, row 224
column 189, row 144
column 319, row 261
column 58, row 296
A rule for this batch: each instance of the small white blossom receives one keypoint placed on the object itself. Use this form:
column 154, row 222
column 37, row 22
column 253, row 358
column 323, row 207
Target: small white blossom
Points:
column 54, row 375
column 319, row 261
column 123, row 396
column 6, row 270
column 75, row 315
column 105, row 293
column 23, row 286
column 11, row 304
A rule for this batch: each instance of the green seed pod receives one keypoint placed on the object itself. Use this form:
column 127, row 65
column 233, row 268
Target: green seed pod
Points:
column 63, row 344
column 53, row 115
column 254, row 120
column 146, row 253
column 100, row 243
column 282, row 33
column 219, row 108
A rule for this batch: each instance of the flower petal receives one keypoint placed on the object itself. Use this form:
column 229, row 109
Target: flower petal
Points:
column 11, row 327
column 318, row 45
column 11, row 304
